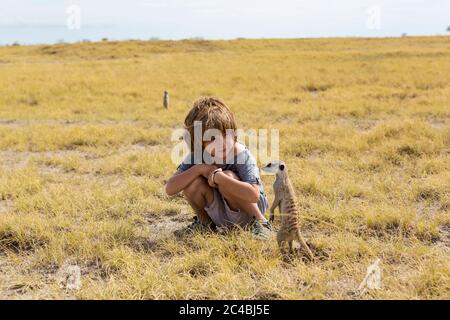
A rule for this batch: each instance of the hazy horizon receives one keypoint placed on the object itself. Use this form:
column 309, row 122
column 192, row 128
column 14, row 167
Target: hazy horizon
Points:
column 51, row 21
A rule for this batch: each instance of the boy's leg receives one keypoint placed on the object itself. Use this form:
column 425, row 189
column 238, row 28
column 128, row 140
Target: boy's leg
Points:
column 251, row 208
column 199, row 195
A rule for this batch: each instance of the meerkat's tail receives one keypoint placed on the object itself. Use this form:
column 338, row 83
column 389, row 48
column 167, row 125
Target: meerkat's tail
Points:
column 305, row 246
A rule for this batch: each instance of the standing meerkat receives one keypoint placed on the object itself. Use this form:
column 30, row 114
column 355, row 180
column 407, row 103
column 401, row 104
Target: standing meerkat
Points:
column 285, row 200
column 166, row 100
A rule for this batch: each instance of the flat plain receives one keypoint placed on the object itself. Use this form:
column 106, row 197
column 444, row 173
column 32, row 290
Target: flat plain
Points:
column 85, row 151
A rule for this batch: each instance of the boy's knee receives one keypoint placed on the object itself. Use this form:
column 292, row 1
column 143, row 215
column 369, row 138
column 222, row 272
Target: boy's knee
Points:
column 197, row 186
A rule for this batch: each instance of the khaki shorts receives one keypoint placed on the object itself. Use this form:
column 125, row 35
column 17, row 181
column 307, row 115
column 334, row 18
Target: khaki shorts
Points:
column 221, row 214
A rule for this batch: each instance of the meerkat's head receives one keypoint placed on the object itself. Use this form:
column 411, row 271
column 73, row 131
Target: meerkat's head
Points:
column 277, row 167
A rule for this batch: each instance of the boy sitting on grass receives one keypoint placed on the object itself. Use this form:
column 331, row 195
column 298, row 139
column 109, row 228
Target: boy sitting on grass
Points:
column 223, row 186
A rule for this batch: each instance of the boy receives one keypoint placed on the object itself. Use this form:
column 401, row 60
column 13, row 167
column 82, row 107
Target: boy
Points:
column 221, row 192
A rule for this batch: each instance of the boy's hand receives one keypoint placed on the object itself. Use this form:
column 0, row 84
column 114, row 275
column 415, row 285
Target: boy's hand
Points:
column 206, row 169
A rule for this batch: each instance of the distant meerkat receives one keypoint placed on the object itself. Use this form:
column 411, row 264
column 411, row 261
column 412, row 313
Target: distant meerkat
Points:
column 285, row 200
column 166, row 100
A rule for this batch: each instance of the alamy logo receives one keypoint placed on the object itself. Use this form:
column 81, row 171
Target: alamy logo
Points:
column 213, row 146
column 373, row 21
column 73, row 21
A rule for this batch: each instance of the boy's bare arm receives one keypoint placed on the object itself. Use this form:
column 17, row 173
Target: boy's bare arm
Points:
column 180, row 180
column 242, row 190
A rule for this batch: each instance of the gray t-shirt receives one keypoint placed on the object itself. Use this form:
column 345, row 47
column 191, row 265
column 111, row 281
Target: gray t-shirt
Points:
column 244, row 165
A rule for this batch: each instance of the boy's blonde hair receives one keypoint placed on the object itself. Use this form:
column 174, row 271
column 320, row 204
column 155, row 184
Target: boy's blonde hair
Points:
column 213, row 113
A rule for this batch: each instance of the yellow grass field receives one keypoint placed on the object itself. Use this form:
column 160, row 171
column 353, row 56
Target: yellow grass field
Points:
column 85, row 151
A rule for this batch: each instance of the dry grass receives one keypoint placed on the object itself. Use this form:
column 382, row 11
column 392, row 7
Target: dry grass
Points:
column 85, row 150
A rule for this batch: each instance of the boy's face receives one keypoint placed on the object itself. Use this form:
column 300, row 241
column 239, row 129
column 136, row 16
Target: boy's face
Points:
column 219, row 146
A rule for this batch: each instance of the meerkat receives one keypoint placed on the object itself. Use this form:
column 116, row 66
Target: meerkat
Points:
column 285, row 200
column 166, row 100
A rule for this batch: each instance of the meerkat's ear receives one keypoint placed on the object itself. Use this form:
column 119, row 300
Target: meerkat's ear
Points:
column 281, row 167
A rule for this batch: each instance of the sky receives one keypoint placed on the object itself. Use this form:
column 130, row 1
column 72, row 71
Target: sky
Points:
column 51, row 21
